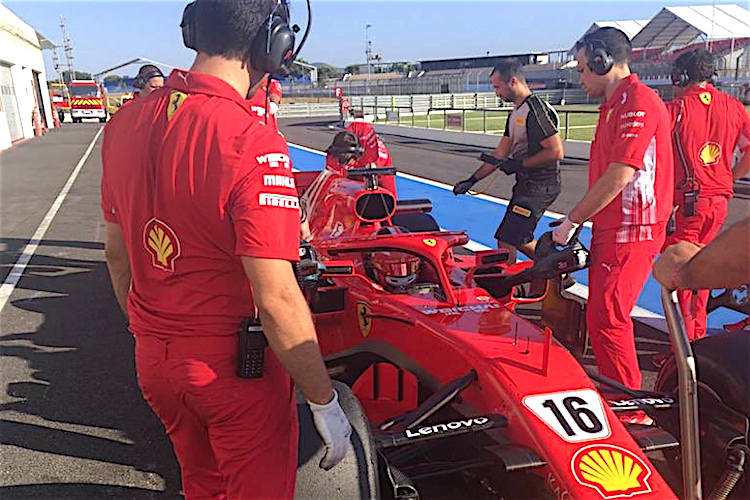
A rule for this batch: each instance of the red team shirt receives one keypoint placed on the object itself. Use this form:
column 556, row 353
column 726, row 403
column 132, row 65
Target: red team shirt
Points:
column 258, row 103
column 634, row 129
column 710, row 142
column 194, row 179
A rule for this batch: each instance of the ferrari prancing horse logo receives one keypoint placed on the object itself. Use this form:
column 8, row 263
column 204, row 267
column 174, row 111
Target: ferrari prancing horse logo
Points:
column 162, row 243
column 364, row 318
column 430, row 242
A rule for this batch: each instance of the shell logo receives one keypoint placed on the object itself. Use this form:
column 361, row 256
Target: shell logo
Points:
column 612, row 471
column 710, row 153
column 162, row 243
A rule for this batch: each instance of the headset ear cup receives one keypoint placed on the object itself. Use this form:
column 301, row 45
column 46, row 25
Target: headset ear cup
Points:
column 602, row 62
column 271, row 50
column 188, row 26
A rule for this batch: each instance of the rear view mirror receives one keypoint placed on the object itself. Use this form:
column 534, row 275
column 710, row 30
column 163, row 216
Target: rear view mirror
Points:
column 531, row 292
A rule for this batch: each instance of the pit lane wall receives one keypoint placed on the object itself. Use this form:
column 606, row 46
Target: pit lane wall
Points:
column 23, row 82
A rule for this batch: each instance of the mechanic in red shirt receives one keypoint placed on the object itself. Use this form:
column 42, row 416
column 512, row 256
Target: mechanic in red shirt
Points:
column 202, row 226
column 374, row 153
column 629, row 199
column 149, row 78
column 265, row 102
column 708, row 127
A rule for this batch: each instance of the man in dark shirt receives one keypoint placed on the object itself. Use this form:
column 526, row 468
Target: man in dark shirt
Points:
column 531, row 149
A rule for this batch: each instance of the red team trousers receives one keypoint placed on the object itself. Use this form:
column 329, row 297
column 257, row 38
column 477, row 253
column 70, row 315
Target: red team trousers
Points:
column 235, row 439
column 710, row 212
column 617, row 275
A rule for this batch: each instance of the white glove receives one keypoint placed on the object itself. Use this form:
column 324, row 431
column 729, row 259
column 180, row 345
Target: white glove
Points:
column 273, row 107
column 564, row 232
column 334, row 429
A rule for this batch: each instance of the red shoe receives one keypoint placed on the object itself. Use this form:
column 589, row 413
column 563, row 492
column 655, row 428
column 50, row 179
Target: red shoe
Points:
column 637, row 417
column 740, row 325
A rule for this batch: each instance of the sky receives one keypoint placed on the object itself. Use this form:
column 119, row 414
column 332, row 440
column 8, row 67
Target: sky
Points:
column 105, row 33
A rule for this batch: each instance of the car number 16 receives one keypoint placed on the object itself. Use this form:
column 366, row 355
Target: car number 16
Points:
column 576, row 416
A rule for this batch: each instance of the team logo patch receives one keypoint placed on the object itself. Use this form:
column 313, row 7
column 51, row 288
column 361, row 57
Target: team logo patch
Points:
column 175, row 101
column 705, row 97
column 430, row 242
column 364, row 318
column 162, row 243
column 710, row 153
column 520, row 121
column 278, row 200
column 525, row 212
column 612, row 471
column 609, row 113
column 274, row 160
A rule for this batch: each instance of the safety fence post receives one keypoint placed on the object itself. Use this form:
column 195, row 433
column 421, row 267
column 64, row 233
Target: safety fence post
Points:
column 567, row 124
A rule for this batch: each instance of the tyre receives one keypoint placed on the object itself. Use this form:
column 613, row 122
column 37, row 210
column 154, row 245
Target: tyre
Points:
column 721, row 361
column 416, row 223
column 356, row 477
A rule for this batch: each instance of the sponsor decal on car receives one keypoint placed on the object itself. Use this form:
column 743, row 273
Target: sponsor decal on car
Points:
column 555, row 487
column 612, row 471
column 620, row 403
column 455, row 311
column 575, row 416
column 364, row 318
column 450, row 426
column 162, row 243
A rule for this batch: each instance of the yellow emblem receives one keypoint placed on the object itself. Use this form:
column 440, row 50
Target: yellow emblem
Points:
column 525, row 212
column 609, row 113
column 162, row 243
column 364, row 318
column 710, row 153
column 705, row 97
column 175, row 101
column 430, row 242
column 612, row 471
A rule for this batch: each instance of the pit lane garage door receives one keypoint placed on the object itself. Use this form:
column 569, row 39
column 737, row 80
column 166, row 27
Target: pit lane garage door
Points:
column 10, row 105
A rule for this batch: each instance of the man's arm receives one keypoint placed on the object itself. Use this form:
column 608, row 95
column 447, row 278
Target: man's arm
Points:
column 118, row 264
column 501, row 152
column 742, row 167
column 723, row 263
column 288, row 325
column 602, row 193
column 552, row 151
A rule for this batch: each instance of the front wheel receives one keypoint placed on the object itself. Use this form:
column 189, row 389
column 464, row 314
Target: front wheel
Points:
column 355, row 477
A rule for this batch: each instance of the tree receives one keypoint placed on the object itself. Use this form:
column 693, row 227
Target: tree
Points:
column 352, row 68
column 113, row 79
column 78, row 75
column 325, row 71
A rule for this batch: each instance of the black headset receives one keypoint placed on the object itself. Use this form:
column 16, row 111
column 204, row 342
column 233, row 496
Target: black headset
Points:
column 272, row 49
column 346, row 146
column 145, row 74
column 598, row 59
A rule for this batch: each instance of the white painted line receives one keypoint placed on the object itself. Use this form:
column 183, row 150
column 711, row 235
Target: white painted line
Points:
column 17, row 272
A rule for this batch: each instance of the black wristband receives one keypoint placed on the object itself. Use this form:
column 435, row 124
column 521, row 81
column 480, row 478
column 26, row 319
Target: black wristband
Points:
column 473, row 179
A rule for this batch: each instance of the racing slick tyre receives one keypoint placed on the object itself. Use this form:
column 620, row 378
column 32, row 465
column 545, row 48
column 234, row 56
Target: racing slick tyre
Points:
column 354, row 478
column 416, row 223
column 721, row 361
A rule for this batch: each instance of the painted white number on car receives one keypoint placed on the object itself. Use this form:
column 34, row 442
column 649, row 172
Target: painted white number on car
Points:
column 575, row 416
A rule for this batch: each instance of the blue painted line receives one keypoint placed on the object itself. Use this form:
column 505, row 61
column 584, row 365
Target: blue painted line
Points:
column 480, row 218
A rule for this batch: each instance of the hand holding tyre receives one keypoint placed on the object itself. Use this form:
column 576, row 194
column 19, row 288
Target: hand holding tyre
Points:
column 334, row 429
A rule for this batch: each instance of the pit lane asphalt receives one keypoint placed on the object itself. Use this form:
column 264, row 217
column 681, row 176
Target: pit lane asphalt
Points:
column 73, row 423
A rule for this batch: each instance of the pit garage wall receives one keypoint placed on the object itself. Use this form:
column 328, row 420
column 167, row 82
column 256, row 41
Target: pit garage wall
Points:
column 20, row 49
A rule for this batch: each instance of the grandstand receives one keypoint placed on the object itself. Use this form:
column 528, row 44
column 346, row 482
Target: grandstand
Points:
column 723, row 29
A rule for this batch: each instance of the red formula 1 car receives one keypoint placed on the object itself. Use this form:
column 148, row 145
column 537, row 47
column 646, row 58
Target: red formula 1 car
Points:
column 449, row 382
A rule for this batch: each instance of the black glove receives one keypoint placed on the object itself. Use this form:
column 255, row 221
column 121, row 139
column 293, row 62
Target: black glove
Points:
column 463, row 187
column 511, row 167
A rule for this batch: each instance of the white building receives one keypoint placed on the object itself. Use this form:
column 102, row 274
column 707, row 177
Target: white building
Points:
column 23, row 83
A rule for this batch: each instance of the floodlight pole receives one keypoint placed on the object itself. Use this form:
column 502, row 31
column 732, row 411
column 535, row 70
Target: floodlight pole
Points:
column 368, row 54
